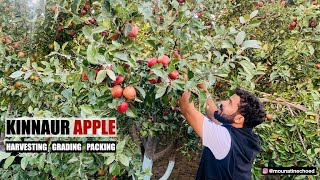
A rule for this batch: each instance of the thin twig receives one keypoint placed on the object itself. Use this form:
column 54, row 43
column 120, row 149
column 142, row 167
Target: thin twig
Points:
column 259, row 78
column 300, row 137
column 318, row 122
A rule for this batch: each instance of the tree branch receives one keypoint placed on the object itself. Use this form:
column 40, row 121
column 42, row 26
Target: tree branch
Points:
column 259, row 78
column 285, row 103
column 300, row 137
column 162, row 153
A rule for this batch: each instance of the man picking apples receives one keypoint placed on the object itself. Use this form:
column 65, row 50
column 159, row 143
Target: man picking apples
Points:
column 230, row 146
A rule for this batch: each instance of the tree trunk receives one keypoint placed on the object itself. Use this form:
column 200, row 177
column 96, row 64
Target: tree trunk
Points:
column 150, row 148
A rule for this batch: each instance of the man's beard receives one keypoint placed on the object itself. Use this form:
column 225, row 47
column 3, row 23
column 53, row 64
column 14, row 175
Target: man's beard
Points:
column 223, row 118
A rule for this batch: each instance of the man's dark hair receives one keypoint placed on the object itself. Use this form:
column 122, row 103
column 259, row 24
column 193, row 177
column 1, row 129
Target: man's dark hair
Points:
column 250, row 108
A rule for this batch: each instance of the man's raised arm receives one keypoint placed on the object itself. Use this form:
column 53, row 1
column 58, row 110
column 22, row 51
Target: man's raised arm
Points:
column 210, row 109
column 192, row 115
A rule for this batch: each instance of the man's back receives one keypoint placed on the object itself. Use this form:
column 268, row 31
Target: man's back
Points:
column 228, row 152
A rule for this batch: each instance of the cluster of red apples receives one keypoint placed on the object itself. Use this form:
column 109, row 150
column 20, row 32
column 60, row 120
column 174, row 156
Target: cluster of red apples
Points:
column 164, row 60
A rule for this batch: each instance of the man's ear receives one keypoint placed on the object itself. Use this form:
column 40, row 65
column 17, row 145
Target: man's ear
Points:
column 239, row 119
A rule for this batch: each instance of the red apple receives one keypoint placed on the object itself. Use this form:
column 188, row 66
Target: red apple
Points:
column 83, row 12
column 21, row 54
column 72, row 33
column 126, row 66
column 109, row 66
column 318, row 66
column 134, row 31
column 84, row 77
column 260, row 3
column 129, row 92
column 152, row 61
column 114, row 178
column 119, row 80
column 70, row 25
column 290, row 27
column 8, row 41
column 3, row 40
column 59, row 28
column 294, row 18
column 53, row 9
column 16, row 45
column 176, row 54
column 313, row 24
column 159, row 80
column 174, row 74
column 91, row 20
column 164, row 60
column 152, row 81
column 116, row 91
column 104, row 34
column 123, row 107
column 87, row 6
column 293, row 24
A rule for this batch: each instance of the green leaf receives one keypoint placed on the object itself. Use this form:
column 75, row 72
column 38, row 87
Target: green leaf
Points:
column 16, row 74
column 311, row 49
column 72, row 160
column 146, row 10
column 141, row 91
column 4, row 155
column 8, row 162
column 127, row 29
column 56, row 46
column 101, row 76
column 111, row 74
column 254, row 13
column 27, row 75
column 87, row 31
column 91, row 55
column 75, row 5
column 86, row 109
column 99, row 29
column 124, row 159
column 160, row 91
column 131, row 112
column 240, row 37
column 64, row 46
column 115, row 169
column 251, row 44
column 246, row 17
column 242, row 21
column 226, row 45
column 121, row 56
column 24, row 163
column 110, row 159
column 67, row 93
column 120, row 146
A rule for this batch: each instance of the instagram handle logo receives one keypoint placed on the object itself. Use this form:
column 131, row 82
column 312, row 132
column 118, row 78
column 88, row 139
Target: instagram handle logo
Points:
column 265, row 171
